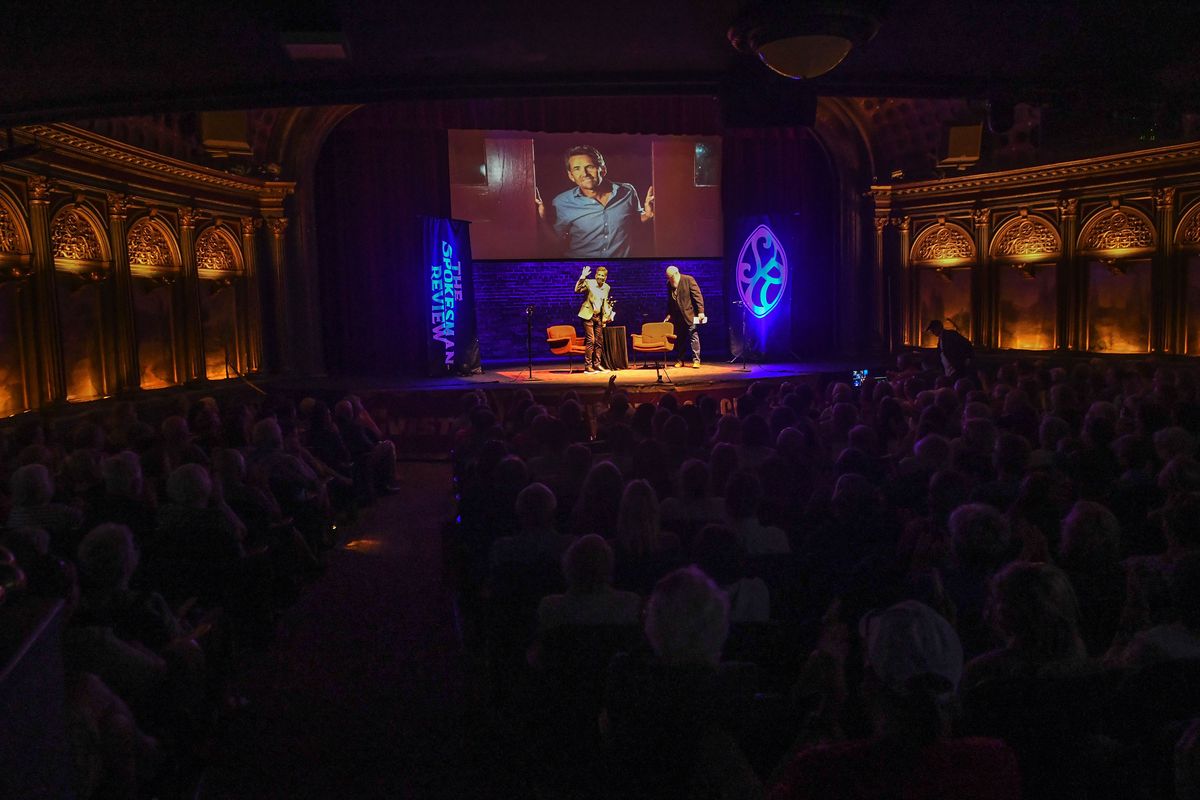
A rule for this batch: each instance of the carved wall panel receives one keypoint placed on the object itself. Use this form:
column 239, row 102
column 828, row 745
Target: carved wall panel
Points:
column 1188, row 234
column 1117, row 229
column 150, row 246
column 14, row 238
column 1119, row 307
column 83, row 339
column 943, row 242
column 218, row 314
column 12, row 375
column 1028, row 308
column 74, row 237
column 153, row 318
column 215, row 250
column 944, row 295
column 1193, row 306
column 1027, row 238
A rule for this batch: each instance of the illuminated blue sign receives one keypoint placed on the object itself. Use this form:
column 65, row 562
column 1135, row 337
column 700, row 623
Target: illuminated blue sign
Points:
column 762, row 272
column 446, row 293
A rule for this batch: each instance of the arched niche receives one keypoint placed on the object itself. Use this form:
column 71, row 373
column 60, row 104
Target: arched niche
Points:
column 1116, row 244
column 1026, row 248
column 1187, row 242
column 82, row 258
column 219, row 264
column 15, row 264
column 941, row 257
column 154, row 263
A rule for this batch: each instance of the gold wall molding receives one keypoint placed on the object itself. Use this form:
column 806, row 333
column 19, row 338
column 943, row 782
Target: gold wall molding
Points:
column 943, row 242
column 1118, row 228
column 1176, row 158
column 215, row 251
column 1027, row 237
column 1188, row 232
column 81, row 142
column 14, row 239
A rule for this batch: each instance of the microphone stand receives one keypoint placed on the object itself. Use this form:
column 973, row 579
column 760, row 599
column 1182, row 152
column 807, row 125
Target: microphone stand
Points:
column 529, row 338
column 745, row 367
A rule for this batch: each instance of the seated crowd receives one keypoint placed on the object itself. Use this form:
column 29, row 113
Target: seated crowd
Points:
column 173, row 547
column 920, row 588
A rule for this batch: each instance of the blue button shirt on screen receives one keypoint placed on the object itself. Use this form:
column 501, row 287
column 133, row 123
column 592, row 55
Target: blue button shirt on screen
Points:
column 595, row 231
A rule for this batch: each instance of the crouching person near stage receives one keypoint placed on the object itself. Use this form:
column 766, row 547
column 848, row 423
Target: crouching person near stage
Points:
column 374, row 457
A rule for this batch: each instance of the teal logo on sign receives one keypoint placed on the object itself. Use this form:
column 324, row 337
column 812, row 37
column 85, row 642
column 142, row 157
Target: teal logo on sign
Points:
column 762, row 272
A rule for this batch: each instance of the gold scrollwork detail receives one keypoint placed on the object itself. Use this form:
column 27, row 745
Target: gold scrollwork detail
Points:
column 904, row 223
column 981, row 216
column 213, row 251
column 1118, row 230
column 1164, row 197
column 1068, row 207
column 73, row 237
column 945, row 242
column 188, row 217
column 1031, row 236
column 118, row 205
column 10, row 239
column 1190, row 233
column 277, row 225
column 148, row 246
column 881, row 222
column 39, row 188
column 250, row 225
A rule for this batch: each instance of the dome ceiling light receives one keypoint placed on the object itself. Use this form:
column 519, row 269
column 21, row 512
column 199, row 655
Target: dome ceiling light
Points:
column 802, row 40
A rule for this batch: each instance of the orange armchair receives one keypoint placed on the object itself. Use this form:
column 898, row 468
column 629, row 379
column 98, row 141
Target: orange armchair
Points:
column 563, row 341
column 657, row 338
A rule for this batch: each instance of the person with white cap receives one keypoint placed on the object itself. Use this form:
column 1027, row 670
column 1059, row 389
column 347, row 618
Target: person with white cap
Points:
column 914, row 662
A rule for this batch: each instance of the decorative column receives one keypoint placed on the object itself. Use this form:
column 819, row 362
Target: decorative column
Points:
column 249, row 302
column 883, row 284
column 908, row 282
column 193, row 334
column 985, row 290
column 1166, row 291
column 277, row 226
column 128, row 373
column 52, row 380
column 1072, row 282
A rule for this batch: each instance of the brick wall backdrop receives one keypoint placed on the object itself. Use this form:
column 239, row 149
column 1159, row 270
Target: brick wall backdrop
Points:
column 503, row 289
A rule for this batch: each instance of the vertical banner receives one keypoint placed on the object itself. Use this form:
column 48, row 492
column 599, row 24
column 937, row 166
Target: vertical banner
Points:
column 760, row 290
column 452, row 344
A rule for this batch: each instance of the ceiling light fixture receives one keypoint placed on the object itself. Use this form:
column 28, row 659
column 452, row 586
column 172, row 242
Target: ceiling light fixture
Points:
column 803, row 40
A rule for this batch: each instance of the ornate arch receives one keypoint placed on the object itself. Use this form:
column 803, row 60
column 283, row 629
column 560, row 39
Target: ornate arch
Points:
column 218, row 251
column 1187, row 233
column 1027, row 238
column 943, row 244
column 15, row 243
column 1118, row 231
column 152, row 246
column 78, row 241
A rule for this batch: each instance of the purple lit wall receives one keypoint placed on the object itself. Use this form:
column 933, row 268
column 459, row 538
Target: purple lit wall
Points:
column 503, row 289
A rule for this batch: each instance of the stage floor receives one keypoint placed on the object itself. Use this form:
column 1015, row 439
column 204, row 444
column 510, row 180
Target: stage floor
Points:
column 645, row 377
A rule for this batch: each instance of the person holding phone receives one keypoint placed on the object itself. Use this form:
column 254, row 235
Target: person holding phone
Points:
column 595, row 310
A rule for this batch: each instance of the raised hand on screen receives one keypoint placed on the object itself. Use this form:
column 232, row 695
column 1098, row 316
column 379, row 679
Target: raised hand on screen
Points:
column 586, row 271
column 648, row 207
column 537, row 200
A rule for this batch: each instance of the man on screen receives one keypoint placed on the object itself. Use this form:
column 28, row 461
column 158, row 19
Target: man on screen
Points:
column 685, row 309
column 596, row 218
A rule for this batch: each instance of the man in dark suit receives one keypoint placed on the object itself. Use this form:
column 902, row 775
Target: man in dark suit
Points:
column 955, row 350
column 685, row 309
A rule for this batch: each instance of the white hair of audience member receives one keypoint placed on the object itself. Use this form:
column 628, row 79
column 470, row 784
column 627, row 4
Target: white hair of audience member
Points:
column 976, row 410
column 1091, row 536
column 536, row 506
column 31, row 486
column 228, row 465
column 122, row 474
column 1104, row 409
column 267, row 434
column 980, row 535
column 864, row 438
column 190, row 485
column 933, row 449
column 1173, row 441
column 588, row 564
column 108, row 556
column 687, row 618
